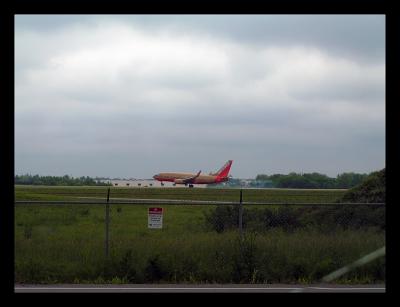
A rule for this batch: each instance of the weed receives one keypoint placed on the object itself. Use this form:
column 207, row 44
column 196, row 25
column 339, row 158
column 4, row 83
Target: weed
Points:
column 99, row 280
column 254, row 277
column 117, row 281
column 28, row 231
column 84, row 212
column 154, row 270
column 126, row 268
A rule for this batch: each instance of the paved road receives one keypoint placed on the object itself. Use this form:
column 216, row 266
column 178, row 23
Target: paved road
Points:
column 172, row 288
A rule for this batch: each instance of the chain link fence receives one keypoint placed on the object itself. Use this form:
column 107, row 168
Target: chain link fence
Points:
column 207, row 241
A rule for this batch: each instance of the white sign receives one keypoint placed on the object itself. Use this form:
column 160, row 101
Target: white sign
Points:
column 155, row 217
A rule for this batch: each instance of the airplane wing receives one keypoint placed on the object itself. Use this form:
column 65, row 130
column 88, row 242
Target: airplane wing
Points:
column 191, row 178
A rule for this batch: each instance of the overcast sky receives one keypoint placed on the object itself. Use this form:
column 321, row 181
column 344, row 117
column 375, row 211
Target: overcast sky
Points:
column 133, row 95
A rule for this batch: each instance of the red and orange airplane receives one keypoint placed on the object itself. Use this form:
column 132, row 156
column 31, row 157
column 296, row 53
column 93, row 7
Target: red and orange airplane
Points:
column 189, row 178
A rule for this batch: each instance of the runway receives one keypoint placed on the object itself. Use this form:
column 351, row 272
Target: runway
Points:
column 210, row 288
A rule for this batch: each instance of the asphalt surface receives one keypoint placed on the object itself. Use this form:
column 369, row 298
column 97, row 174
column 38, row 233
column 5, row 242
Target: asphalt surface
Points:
column 211, row 288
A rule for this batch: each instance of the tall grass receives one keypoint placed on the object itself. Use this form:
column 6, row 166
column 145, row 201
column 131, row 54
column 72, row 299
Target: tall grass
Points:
column 271, row 195
column 66, row 245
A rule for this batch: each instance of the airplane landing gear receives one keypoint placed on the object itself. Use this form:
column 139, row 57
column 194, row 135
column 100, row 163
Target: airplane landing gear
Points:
column 190, row 185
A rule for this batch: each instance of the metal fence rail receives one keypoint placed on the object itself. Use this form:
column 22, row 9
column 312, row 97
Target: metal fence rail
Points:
column 187, row 202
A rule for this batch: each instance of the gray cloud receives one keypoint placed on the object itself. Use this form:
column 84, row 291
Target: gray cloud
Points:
column 357, row 36
column 134, row 95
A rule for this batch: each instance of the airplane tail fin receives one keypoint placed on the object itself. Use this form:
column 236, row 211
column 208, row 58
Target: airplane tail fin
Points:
column 224, row 171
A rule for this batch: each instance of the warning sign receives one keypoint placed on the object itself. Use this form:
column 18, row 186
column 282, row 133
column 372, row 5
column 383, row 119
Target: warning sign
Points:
column 155, row 217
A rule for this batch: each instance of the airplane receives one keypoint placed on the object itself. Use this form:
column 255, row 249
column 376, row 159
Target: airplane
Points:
column 189, row 178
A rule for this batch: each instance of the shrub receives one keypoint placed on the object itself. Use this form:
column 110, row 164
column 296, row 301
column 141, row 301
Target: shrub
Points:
column 222, row 218
column 154, row 270
column 289, row 219
column 373, row 189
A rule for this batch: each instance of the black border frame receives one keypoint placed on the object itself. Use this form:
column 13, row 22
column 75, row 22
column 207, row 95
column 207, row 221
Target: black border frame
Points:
column 179, row 7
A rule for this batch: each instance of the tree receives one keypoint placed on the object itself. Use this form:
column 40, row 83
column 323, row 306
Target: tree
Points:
column 56, row 181
column 372, row 189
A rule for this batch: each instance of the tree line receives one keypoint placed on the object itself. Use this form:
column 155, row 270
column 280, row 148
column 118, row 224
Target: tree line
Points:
column 371, row 190
column 312, row 180
column 58, row 180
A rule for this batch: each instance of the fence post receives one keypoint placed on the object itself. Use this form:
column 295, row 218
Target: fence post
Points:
column 241, row 215
column 107, row 223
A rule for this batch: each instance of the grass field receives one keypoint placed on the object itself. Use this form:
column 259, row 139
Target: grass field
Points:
column 65, row 244
column 272, row 195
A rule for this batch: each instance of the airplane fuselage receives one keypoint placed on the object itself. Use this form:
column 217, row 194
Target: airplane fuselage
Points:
column 189, row 178
column 202, row 179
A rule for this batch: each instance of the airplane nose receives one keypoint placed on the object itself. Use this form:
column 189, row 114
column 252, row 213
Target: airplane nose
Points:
column 155, row 176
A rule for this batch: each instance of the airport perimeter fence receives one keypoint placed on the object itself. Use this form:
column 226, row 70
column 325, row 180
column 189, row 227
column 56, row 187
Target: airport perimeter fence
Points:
column 260, row 216
column 265, row 218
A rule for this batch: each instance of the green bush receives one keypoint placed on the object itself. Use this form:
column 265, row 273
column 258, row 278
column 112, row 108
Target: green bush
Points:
column 322, row 218
column 372, row 190
column 222, row 218
column 154, row 270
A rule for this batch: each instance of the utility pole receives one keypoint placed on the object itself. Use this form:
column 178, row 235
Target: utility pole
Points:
column 241, row 215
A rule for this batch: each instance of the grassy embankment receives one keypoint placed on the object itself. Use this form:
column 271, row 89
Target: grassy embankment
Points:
column 66, row 243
